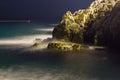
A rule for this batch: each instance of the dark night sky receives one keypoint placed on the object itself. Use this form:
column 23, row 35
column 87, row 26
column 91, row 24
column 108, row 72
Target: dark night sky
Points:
column 42, row 10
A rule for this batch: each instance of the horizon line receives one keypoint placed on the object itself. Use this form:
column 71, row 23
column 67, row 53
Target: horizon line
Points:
column 15, row 20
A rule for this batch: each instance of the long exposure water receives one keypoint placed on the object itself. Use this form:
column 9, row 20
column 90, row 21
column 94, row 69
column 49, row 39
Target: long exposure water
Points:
column 18, row 61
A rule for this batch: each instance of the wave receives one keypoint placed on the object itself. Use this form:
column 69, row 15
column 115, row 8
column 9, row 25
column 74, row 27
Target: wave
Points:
column 23, row 40
column 45, row 29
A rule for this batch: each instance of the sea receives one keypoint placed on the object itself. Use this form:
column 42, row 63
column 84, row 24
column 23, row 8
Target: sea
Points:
column 19, row 61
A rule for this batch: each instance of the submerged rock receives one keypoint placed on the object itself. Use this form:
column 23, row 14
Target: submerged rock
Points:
column 64, row 46
column 36, row 45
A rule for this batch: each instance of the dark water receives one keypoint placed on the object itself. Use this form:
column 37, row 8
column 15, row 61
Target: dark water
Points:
column 21, row 63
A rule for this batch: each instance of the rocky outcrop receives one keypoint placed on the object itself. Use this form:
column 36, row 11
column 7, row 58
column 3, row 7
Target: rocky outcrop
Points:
column 108, row 28
column 98, row 24
column 101, row 8
column 74, row 27
column 68, row 29
column 64, row 46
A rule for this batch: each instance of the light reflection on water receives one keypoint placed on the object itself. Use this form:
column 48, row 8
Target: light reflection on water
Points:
column 16, row 64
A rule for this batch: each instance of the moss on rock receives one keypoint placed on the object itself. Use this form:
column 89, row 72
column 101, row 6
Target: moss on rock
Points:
column 98, row 24
column 73, row 26
column 64, row 46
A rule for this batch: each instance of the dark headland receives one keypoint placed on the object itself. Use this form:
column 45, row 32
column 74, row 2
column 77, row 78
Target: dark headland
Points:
column 99, row 25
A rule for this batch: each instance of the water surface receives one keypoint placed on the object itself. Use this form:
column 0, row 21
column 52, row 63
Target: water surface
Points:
column 19, row 62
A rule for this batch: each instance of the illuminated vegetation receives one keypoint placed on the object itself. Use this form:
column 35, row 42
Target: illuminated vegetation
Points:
column 91, row 25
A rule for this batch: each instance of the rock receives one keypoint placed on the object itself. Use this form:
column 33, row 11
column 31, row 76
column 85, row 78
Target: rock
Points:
column 68, row 29
column 36, row 44
column 71, row 33
column 64, row 46
column 76, row 27
column 37, row 40
column 99, row 24
column 47, row 40
column 102, row 8
column 108, row 28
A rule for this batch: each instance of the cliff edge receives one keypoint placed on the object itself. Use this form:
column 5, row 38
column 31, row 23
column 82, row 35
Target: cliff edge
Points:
column 98, row 24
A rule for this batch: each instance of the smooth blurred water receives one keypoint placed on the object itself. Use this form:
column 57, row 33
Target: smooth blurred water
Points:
column 24, row 33
column 23, row 63
column 20, row 29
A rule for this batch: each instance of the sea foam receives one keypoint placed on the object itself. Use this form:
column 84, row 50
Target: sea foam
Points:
column 24, row 39
column 45, row 29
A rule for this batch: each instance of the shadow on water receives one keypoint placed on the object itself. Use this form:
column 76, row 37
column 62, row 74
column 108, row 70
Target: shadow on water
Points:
column 92, row 63
column 17, row 56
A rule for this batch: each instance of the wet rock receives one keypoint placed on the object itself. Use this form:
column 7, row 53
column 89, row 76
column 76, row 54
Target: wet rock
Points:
column 64, row 46
column 36, row 45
